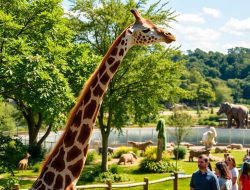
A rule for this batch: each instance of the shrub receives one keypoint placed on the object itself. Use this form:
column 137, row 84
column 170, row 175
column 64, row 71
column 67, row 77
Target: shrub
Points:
column 36, row 167
column 151, row 152
column 182, row 151
column 108, row 176
column 10, row 183
column 89, row 176
column 121, row 150
column 150, row 165
column 37, row 153
column 91, row 157
column 12, row 151
column 115, row 169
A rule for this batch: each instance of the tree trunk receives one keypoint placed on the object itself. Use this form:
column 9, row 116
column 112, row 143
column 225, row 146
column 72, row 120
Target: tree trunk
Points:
column 45, row 135
column 159, row 149
column 104, row 165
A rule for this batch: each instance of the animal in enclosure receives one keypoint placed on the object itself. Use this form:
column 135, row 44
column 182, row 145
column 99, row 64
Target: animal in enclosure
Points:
column 110, row 150
column 141, row 145
column 197, row 153
column 235, row 146
column 237, row 112
column 221, row 150
column 63, row 166
column 22, row 165
column 186, row 144
column 208, row 138
column 128, row 157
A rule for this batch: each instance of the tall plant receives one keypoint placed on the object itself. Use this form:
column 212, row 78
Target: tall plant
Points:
column 161, row 146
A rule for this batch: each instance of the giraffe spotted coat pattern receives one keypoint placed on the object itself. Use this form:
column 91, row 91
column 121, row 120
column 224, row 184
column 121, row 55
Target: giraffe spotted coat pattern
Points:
column 63, row 166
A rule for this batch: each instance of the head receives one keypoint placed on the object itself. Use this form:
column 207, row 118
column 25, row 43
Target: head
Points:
column 203, row 161
column 246, row 168
column 224, row 108
column 134, row 155
column 222, row 170
column 230, row 161
column 225, row 156
column 145, row 32
column 150, row 142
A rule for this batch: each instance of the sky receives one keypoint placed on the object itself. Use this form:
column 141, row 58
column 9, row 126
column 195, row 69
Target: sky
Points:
column 210, row 25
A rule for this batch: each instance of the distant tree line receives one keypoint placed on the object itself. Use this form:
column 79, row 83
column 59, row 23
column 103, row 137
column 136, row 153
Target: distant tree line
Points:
column 213, row 77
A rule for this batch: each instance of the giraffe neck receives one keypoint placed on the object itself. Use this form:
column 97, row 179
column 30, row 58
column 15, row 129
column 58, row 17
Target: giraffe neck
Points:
column 64, row 165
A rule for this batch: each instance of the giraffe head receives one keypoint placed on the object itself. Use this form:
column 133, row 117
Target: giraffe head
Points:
column 145, row 32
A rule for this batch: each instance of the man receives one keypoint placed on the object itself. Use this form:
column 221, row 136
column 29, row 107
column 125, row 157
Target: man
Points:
column 204, row 179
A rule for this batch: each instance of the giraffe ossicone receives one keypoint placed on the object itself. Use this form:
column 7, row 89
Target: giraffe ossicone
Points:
column 64, row 164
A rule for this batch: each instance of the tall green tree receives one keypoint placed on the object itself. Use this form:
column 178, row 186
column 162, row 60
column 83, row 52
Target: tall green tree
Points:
column 39, row 63
column 147, row 75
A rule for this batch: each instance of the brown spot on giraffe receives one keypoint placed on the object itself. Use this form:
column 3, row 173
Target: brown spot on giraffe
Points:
column 110, row 60
column 58, row 184
column 49, row 178
column 59, row 163
column 114, row 67
column 105, row 78
column 90, row 109
column 38, row 184
column 102, row 69
column 74, row 152
column 67, row 181
column 121, row 52
column 122, row 42
column 98, row 91
column 42, row 187
column 69, row 138
column 76, row 168
column 78, row 118
column 114, row 51
column 87, row 96
column 85, row 132
column 85, row 151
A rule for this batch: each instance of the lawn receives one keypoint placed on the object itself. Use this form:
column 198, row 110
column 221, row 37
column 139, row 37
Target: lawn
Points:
column 28, row 177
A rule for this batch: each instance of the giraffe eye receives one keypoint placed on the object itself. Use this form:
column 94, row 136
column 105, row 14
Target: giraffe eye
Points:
column 146, row 30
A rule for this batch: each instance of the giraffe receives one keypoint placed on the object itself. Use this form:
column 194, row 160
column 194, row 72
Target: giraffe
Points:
column 64, row 164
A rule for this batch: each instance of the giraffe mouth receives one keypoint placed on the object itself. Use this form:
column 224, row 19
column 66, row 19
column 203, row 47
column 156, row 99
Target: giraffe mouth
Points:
column 169, row 38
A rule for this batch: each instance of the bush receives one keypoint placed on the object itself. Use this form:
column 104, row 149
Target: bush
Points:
column 12, row 151
column 121, row 150
column 150, row 165
column 211, row 120
column 182, row 151
column 108, row 176
column 37, row 153
column 115, row 169
column 91, row 157
column 36, row 167
column 10, row 183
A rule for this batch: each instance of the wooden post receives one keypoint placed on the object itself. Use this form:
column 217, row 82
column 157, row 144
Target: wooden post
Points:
column 175, row 180
column 16, row 187
column 145, row 187
column 109, row 185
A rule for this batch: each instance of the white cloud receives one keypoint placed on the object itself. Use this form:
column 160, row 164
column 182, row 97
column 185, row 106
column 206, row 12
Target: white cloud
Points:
column 236, row 44
column 235, row 26
column 211, row 12
column 190, row 38
column 190, row 18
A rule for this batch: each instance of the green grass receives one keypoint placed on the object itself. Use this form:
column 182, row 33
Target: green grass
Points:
column 131, row 171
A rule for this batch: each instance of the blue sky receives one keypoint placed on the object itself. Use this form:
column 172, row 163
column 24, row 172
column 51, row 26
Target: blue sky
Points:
column 211, row 25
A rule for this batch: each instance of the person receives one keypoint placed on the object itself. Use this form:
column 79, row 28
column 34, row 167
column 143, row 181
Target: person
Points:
column 204, row 179
column 244, row 182
column 224, row 176
column 234, row 171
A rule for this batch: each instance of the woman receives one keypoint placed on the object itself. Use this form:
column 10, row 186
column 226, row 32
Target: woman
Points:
column 234, row 171
column 245, row 177
column 224, row 176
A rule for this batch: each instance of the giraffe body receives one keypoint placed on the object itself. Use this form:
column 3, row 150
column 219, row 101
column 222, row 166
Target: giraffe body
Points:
column 64, row 165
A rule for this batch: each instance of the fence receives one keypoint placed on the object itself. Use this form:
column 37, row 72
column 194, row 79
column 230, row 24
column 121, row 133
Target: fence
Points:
column 145, row 184
column 224, row 136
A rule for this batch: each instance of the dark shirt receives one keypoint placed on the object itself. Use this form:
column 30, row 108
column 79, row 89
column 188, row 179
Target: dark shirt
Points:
column 206, row 181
